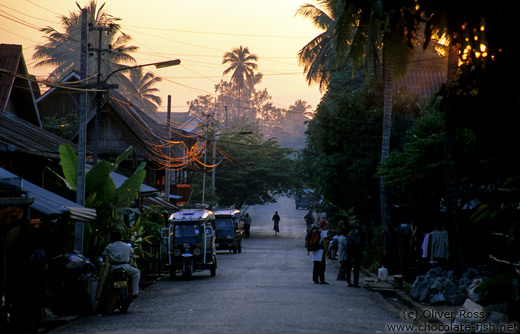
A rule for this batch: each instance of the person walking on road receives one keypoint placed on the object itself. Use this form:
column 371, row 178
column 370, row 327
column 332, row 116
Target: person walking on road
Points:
column 319, row 256
column 276, row 220
column 309, row 219
column 247, row 224
column 342, row 255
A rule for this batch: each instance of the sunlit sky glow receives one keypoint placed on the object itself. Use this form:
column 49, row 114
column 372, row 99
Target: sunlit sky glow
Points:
column 197, row 32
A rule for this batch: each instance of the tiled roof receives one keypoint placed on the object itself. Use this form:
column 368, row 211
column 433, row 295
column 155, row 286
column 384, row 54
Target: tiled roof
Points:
column 423, row 82
column 428, row 72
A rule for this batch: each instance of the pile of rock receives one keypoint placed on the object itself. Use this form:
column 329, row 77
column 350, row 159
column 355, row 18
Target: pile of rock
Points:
column 442, row 287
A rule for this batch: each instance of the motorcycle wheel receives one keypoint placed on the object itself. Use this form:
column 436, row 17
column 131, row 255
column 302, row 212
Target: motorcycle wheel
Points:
column 124, row 305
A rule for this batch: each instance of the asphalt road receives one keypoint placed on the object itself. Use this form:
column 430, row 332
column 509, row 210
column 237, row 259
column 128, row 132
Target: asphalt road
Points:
column 267, row 288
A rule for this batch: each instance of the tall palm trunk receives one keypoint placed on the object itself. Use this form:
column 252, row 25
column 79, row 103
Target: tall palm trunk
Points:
column 450, row 142
column 387, row 127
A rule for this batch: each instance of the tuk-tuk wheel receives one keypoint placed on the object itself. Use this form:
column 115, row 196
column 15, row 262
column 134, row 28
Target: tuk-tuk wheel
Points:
column 213, row 267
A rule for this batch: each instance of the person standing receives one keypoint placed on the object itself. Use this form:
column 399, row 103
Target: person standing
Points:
column 247, row 224
column 309, row 219
column 354, row 254
column 318, row 256
column 342, row 255
column 276, row 220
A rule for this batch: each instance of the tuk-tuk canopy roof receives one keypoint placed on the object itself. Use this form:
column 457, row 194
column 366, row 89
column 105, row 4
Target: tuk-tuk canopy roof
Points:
column 226, row 212
column 192, row 214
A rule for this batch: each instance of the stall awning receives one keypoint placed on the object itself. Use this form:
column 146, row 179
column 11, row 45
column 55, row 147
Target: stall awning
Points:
column 48, row 203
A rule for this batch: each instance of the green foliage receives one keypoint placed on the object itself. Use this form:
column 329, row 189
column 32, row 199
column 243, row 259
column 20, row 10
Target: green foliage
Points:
column 374, row 256
column 343, row 146
column 69, row 165
column 255, row 170
column 101, row 193
column 144, row 230
column 503, row 211
column 415, row 174
column 62, row 126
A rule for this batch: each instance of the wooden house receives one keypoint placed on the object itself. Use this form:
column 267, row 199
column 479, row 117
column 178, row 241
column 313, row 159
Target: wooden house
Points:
column 121, row 125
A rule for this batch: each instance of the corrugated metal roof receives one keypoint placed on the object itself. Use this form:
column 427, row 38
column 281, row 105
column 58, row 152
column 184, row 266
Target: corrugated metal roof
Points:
column 17, row 134
column 158, row 201
column 50, row 204
column 120, row 179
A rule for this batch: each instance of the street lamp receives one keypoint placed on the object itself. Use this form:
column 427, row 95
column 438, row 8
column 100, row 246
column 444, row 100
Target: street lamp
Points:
column 161, row 64
column 103, row 85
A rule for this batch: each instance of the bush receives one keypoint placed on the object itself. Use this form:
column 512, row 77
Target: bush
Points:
column 374, row 252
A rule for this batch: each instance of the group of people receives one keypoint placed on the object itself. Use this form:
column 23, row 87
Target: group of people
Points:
column 349, row 252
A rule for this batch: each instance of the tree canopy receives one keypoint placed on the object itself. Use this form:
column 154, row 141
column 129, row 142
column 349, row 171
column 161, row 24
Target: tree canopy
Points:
column 62, row 53
column 254, row 170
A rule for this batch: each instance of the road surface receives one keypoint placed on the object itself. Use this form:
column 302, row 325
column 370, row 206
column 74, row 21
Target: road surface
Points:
column 267, row 288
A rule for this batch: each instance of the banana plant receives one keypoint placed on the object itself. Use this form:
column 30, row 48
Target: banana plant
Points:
column 101, row 192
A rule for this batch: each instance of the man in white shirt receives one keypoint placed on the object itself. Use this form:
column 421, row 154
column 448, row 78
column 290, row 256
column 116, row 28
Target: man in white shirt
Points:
column 119, row 255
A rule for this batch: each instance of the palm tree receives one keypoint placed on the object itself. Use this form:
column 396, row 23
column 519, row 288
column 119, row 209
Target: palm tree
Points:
column 142, row 89
column 300, row 107
column 362, row 28
column 242, row 63
column 318, row 57
column 296, row 116
column 62, row 50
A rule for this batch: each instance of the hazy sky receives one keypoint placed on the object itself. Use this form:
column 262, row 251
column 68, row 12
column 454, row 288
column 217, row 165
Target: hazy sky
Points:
column 197, row 32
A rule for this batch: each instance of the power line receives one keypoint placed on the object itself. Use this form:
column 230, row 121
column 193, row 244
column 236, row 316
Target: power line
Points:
column 42, row 7
column 221, row 33
column 33, row 17
column 20, row 21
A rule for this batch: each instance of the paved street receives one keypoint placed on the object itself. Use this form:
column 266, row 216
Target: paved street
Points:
column 267, row 288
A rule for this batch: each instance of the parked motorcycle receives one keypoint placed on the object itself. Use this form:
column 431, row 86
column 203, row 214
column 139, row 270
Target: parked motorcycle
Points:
column 116, row 294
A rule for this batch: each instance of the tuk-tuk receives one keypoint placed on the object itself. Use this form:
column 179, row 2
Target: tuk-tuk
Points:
column 229, row 229
column 191, row 242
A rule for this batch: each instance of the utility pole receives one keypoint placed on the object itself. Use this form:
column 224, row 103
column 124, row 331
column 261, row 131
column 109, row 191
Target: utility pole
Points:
column 99, row 50
column 169, row 153
column 214, row 162
column 82, row 140
column 205, row 162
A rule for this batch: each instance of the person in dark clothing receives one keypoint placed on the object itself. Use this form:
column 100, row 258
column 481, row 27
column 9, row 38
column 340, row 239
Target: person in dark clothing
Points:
column 247, row 224
column 309, row 218
column 354, row 254
column 276, row 220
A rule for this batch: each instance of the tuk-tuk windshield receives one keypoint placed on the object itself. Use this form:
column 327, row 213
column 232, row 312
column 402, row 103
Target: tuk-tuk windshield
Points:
column 187, row 231
column 224, row 224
